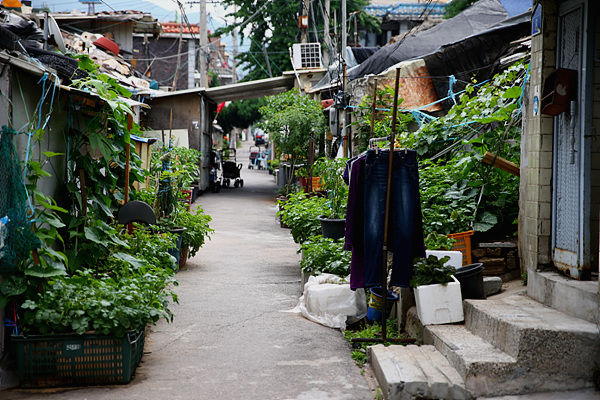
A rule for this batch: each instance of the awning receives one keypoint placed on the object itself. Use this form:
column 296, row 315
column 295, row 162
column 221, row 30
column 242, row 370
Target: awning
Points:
column 250, row 90
column 237, row 91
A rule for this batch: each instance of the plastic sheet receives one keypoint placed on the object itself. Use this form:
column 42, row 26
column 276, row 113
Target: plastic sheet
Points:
column 328, row 301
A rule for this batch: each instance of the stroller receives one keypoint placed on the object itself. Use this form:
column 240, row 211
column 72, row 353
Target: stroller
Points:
column 254, row 155
column 230, row 168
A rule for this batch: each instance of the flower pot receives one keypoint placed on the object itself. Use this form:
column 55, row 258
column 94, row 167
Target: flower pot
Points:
column 375, row 308
column 471, row 281
column 439, row 304
column 332, row 228
column 175, row 251
column 183, row 257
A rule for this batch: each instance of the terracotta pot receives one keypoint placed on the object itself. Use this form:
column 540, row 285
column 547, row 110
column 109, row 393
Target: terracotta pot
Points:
column 183, row 257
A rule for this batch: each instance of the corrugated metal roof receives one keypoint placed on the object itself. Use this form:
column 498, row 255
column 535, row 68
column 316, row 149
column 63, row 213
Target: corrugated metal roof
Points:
column 238, row 91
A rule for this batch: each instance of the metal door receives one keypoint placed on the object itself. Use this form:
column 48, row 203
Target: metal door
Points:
column 570, row 211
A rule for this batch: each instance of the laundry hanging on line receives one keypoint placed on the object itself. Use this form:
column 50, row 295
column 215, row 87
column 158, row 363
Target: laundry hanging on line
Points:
column 367, row 176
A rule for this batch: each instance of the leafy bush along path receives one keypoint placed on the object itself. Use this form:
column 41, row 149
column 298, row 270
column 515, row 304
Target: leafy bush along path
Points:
column 229, row 338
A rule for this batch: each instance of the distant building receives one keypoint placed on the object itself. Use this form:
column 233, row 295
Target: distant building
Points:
column 397, row 17
column 158, row 57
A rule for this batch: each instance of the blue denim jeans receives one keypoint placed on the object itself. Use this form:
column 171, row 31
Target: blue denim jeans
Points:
column 405, row 224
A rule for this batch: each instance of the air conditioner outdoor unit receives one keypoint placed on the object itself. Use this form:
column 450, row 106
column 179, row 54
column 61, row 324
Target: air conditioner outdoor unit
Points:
column 306, row 55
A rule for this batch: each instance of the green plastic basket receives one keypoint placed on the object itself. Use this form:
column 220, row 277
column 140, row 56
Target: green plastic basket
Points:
column 77, row 360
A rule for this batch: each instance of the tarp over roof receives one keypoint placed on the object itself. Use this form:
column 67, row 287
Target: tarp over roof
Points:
column 482, row 16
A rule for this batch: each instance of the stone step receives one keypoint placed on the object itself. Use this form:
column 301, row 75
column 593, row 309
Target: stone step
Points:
column 486, row 370
column 415, row 372
column 539, row 337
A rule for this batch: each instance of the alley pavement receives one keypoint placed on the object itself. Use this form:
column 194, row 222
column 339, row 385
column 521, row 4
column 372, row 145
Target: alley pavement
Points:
column 230, row 338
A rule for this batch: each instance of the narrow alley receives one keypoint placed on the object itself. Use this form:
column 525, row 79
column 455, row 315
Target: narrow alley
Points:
column 230, row 338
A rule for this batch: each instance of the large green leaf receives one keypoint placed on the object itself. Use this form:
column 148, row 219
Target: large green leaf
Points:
column 485, row 222
column 13, row 285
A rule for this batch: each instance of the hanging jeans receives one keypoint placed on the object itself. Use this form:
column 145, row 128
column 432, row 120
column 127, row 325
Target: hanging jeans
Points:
column 405, row 224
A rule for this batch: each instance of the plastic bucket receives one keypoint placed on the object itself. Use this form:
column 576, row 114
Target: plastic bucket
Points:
column 471, row 281
column 375, row 308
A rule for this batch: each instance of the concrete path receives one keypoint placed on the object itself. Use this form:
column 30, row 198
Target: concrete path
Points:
column 230, row 339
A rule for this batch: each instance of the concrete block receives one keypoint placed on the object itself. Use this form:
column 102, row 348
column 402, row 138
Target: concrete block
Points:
column 546, row 340
column 492, row 285
column 415, row 372
column 478, row 253
column 485, row 369
column 493, row 266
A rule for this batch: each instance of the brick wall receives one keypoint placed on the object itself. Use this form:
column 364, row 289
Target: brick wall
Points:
column 536, row 154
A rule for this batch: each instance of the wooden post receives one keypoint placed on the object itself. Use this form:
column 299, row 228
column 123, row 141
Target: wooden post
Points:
column 373, row 107
column 127, row 157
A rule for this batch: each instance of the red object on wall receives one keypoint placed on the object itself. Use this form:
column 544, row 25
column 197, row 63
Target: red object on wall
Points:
column 326, row 103
column 108, row 45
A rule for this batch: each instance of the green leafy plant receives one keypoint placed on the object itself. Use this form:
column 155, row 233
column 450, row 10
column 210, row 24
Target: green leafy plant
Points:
column 289, row 118
column 359, row 351
column 197, row 229
column 125, row 291
column 431, row 270
column 332, row 181
column 300, row 212
column 382, row 121
column 324, row 255
column 436, row 241
column 84, row 302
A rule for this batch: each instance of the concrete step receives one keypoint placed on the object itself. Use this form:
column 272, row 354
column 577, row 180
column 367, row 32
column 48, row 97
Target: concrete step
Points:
column 485, row 369
column 415, row 372
column 516, row 345
column 539, row 337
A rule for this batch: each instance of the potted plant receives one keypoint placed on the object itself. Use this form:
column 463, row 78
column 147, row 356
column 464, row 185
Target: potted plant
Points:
column 333, row 220
column 323, row 255
column 197, row 229
column 437, row 291
column 102, row 306
column 299, row 212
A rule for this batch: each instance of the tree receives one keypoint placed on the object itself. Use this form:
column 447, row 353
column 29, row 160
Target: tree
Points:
column 241, row 113
column 273, row 30
column 289, row 118
column 457, row 6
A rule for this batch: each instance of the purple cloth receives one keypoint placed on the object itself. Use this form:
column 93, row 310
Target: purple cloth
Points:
column 354, row 231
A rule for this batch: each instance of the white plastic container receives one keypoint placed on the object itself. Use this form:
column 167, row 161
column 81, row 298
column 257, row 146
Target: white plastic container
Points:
column 456, row 257
column 438, row 304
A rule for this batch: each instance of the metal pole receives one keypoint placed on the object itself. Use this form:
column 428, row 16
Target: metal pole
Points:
column 326, row 35
column 387, row 207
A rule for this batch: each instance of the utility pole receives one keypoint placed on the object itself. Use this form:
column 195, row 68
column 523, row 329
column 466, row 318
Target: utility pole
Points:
column 303, row 23
column 204, row 51
column 174, row 85
column 343, row 64
column 326, row 34
column 235, row 50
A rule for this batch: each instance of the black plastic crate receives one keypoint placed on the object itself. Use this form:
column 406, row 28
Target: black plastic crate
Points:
column 77, row 360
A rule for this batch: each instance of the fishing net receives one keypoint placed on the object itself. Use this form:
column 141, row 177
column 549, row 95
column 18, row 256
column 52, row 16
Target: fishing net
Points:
column 17, row 239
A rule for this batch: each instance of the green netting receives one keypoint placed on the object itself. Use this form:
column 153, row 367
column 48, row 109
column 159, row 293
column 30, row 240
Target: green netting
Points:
column 20, row 239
